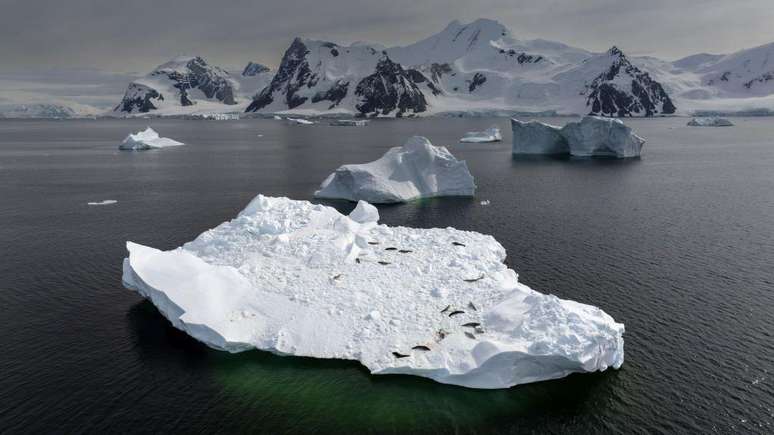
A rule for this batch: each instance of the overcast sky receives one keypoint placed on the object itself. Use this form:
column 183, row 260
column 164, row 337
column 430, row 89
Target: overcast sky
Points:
column 136, row 35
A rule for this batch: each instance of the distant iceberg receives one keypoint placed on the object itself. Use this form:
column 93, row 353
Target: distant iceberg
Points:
column 103, row 202
column 593, row 136
column 300, row 121
column 710, row 122
column 349, row 122
column 491, row 134
column 296, row 278
column 145, row 140
column 416, row 170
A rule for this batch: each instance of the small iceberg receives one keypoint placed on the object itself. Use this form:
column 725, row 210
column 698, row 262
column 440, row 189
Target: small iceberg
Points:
column 491, row 134
column 416, row 170
column 105, row 202
column 350, row 122
column 277, row 117
column 593, row 136
column 711, row 121
column 296, row 278
column 300, row 121
column 146, row 140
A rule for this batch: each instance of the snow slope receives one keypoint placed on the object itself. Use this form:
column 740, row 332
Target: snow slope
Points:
column 295, row 278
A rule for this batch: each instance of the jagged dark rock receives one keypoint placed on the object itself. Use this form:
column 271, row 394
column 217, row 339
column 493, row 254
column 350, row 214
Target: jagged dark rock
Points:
column 253, row 69
column 477, row 80
column 389, row 89
column 647, row 96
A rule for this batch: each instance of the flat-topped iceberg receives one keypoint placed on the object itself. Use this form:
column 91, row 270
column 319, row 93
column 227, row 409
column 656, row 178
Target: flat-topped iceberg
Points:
column 296, row 278
column 710, row 121
column 349, row 122
column 416, row 170
column 300, row 121
column 491, row 134
column 146, row 140
column 592, row 136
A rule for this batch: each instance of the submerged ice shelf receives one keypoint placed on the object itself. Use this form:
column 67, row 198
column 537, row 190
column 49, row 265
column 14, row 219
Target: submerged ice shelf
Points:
column 295, row 278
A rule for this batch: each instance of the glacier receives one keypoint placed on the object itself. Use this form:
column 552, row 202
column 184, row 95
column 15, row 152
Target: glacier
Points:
column 296, row 278
column 710, row 122
column 491, row 134
column 418, row 169
column 146, row 140
column 592, row 136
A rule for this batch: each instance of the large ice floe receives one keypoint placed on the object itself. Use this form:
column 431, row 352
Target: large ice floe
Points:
column 146, row 140
column 296, row 278
column 491, row 134
column 593, row 136
column 711, row 121
column 416, row 170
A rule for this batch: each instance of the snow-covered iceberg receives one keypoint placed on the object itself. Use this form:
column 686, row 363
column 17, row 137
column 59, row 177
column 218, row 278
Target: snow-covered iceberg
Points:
column 711, row 121
column 145, row 140
column 296, row 278
column 416, row 170
column 491, row 134
column 592, row 136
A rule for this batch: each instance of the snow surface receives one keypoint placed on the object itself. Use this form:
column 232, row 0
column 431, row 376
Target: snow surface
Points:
column 145, row 140
column 491, row 134
column 710, row 122
column 593, row 136
column 416, row 170
column 295, row 278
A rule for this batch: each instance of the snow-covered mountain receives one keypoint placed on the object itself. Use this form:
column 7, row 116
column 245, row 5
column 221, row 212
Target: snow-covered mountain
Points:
column 478, row 66
column 182, row 82
column 51, row 111
column 253, row 69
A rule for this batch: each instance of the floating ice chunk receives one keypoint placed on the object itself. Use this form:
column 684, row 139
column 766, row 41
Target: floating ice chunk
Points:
column 277, row 117
column 492, row 134
column 300, row 121
column 535, row 137
column 350, row 122
column 320, row 292
column 710, row 122
column 416, row 170
column 485, row 202
column 145, row 140
column 104, row 202
column 364, row 213
column 593, row 136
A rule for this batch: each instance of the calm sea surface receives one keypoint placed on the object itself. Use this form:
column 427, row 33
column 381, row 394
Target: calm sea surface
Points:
column 678, row 245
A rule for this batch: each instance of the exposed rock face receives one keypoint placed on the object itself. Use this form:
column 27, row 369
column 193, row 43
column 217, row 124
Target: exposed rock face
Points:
column 293, row 73
column 253, row 69
column 625, row 90
column 593, row 136
column 171, row 84
column 389, row 89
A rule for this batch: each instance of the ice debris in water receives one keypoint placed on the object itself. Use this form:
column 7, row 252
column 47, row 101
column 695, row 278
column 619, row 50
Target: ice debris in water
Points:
column 145, row 140
column 492, row 134
column 449, row 309
column 104, row 202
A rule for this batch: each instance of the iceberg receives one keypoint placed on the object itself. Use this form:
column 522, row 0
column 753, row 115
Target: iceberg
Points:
column 300, row 121
column 296, row 278
column 416, row 170
column 103, row 202
column 592, row 136
column 710, row 122
column 491, row 134
column 145, row 140
column 349, row 122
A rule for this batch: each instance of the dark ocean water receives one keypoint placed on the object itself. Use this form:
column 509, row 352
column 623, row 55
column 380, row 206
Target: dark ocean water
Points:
column 678, row 245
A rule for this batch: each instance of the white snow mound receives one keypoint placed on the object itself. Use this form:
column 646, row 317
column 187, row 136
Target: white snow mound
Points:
column 416, row 170
column 145, row 140
column 710, row 122
column 592, row 136
column 491, row 134
column 296, row 278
